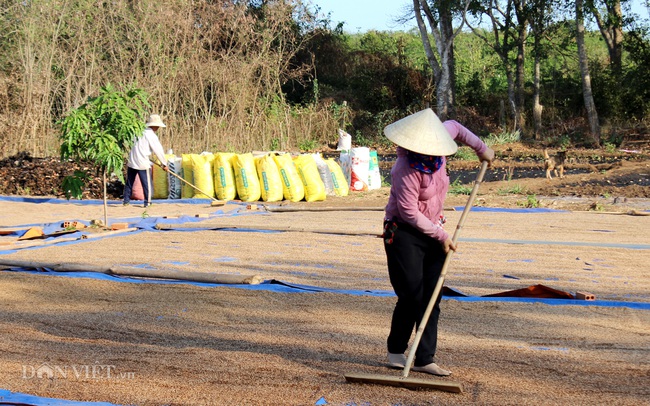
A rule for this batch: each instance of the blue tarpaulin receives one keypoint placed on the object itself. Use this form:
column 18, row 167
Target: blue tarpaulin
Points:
column 273, row 285
column 15, row 398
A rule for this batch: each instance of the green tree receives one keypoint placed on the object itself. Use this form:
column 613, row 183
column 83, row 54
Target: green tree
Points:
column 101, row 131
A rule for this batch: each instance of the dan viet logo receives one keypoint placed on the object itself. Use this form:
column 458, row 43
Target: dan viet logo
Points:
column 92, row 371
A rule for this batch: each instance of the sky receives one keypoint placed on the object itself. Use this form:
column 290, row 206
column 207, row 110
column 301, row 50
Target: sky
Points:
column 365, row 15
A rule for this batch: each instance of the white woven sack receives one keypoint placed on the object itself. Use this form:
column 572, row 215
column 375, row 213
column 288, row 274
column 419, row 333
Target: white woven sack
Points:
column 175, row 186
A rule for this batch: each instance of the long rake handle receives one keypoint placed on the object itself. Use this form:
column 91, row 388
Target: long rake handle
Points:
column 443, row 272
column 188, row 183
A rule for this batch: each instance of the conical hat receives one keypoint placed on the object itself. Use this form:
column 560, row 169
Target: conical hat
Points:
column 422, row 132
column 155, row 121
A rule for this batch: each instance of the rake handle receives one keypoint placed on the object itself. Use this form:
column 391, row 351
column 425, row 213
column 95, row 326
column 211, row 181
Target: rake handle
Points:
column 443, row 272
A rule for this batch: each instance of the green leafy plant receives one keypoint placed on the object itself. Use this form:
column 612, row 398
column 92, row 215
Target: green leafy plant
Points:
column 101, row 131
column 362, row 140
column 564, row 141
column 609, row 147
column 74, row 185
column 341, row 112
column 25, row 191
column 513, row 190
column 531, row 202
column 307, row 145
column 385, row 180
column 456, row 188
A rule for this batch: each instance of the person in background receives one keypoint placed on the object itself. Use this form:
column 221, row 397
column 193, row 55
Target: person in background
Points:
column 415, row 241
column 139, row 163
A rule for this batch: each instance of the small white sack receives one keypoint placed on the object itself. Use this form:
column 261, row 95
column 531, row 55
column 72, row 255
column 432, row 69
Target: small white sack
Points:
column 360, row 158
column 345, row 141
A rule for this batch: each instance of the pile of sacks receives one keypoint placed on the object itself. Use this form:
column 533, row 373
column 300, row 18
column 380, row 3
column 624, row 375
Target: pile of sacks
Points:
column 270, row 176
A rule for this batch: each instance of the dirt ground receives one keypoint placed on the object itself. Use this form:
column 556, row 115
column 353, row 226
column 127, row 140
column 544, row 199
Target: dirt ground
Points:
column 191, row 344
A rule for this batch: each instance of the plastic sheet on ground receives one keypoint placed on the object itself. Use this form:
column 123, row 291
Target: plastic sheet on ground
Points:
column 273, row 285
column 15, row 398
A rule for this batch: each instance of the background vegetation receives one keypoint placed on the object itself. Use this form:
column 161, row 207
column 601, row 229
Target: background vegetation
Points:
column 250, row 75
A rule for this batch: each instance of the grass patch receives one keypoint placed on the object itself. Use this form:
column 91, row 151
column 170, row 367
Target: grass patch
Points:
column 456, row 188
column 513, row 190
column 465, row 154
column 503, row 138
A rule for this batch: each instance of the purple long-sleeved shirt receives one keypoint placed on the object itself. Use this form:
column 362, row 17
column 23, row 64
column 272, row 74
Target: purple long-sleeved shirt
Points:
column 417, row 198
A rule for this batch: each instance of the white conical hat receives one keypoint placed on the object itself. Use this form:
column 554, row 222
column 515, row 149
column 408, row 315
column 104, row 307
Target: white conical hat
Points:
column 422, row 132
column 155, row 121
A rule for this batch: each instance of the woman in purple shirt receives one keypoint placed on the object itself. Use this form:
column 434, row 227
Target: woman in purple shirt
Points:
column 414, row 238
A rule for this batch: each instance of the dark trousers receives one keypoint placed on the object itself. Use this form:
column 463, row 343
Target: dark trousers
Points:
column 414, row 265
column 143, row 174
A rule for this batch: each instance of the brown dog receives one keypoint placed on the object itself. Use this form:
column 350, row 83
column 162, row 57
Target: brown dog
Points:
column 554, row 163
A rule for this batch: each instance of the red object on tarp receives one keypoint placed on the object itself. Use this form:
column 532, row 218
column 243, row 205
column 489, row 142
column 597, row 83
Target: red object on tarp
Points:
column 539, row 291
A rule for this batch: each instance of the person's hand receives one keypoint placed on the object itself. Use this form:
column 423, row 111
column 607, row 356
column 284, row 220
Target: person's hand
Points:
column 449, row 246
column 165, row 168
column 487, row 155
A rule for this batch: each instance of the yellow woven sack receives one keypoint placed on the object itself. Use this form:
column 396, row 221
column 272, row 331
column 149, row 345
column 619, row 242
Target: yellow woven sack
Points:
column 160, row 179
column 224, row 176
column 308, row 170
column 248, row 184
column 341, row 187
column 292, row 187
column 187, row 192
column 269, row 176
column 202, row 172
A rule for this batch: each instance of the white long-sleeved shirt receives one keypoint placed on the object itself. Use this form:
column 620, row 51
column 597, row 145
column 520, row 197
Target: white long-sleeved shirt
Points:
column 147, row 143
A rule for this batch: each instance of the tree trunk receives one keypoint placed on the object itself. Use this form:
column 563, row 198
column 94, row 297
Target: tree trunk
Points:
column 520, row 81
column 537, row 107
column 448, row 59
column 444, row 96
column 590, row 106
column 105, row 203
column 611, row 29
column 501, row 41
column 441, row 24
column 538, row 23
column 520, row 75
column 424, row 36
column 511, row 99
